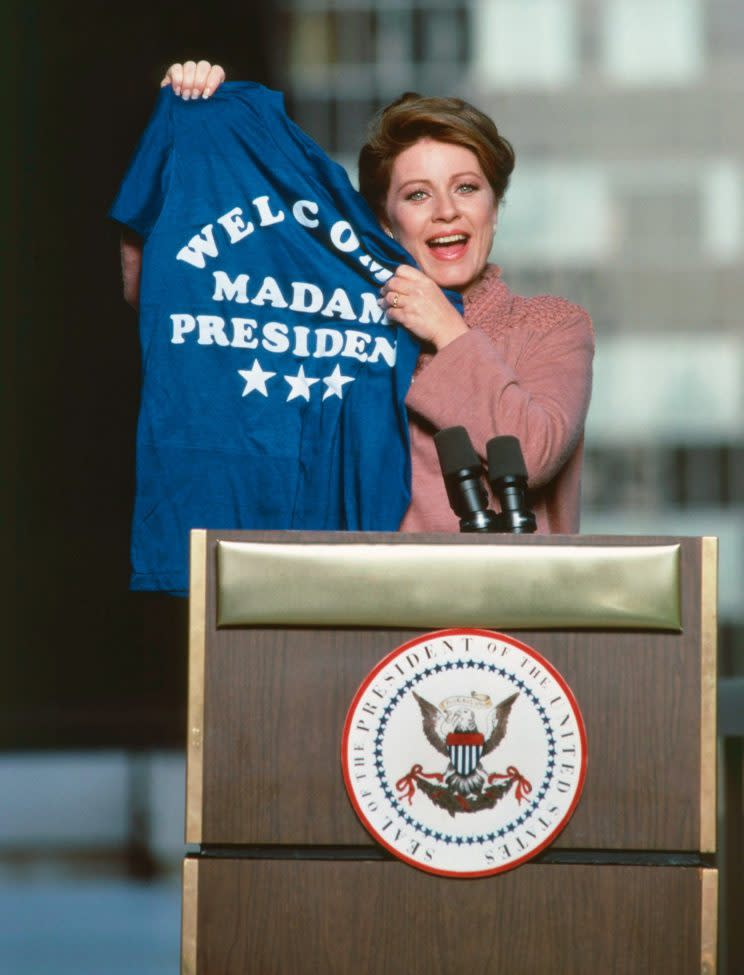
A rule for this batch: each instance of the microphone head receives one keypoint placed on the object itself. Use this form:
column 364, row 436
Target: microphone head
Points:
column 505, row 458
column 463, row 473
column 455, row 451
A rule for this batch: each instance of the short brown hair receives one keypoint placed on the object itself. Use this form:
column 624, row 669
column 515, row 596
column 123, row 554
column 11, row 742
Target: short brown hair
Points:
column 412, row 117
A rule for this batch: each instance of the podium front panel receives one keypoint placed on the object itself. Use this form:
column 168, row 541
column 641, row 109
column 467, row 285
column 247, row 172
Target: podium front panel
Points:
column 280, row 916
column 268, row 705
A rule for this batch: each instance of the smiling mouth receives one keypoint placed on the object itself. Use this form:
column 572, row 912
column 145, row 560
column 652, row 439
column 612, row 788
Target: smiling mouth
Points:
column 448, row 241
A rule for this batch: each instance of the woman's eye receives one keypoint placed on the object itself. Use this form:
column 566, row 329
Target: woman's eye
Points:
column 416, row 195
column 467, row 188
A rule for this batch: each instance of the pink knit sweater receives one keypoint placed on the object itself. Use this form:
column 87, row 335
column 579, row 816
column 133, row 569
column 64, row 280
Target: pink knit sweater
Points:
column 524, row 369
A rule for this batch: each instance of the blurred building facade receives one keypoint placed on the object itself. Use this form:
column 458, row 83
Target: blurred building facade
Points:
column 628, row 198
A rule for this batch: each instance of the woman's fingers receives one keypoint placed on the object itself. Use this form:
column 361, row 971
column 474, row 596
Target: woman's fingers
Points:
column 173, row 76
column 407, row 272
column 201, row 71
column 391, row 296
column 215, row 77
column 192, row 80
column 189, row 74
column 417, row 303
column 393, row 306
column 407, row 282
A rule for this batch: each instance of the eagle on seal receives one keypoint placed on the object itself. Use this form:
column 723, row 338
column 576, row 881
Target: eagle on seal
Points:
column 454, row 733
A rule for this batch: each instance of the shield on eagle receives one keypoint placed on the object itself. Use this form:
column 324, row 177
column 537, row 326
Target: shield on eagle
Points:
column 465, row 750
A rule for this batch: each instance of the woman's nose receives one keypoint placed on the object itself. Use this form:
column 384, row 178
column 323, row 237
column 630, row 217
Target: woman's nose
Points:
column 445, row 207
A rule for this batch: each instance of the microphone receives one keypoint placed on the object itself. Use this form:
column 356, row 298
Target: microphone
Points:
column 507, row 476
column 462, row 472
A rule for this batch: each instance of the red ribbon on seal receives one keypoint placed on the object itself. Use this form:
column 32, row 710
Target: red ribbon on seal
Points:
column 524, row 786
column 407, row 785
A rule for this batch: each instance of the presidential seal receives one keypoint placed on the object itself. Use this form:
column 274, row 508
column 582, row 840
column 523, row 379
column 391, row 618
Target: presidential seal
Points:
column 464, row 752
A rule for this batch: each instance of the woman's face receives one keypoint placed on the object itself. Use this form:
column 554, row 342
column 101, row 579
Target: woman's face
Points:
column 441, row 208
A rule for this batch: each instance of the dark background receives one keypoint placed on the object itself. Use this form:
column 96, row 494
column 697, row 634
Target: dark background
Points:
column 86, row 663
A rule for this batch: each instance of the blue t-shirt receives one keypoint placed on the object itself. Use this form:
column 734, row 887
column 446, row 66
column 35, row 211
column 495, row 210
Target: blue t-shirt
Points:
column 273, row 384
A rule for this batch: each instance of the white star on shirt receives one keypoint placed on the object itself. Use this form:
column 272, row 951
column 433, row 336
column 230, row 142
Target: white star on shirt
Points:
column 335, row 383
column 300, row 385
column 255, row 378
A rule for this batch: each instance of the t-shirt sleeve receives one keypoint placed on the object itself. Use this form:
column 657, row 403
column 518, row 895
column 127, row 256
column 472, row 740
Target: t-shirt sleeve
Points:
column 142, row 193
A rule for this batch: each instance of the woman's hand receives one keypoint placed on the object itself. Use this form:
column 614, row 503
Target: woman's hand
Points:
column 417, row 303
column 192, row 80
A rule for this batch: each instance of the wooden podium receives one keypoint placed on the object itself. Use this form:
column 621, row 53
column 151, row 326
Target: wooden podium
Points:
column 284, row 879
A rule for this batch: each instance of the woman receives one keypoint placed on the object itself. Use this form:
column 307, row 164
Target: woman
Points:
column 435, row 171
